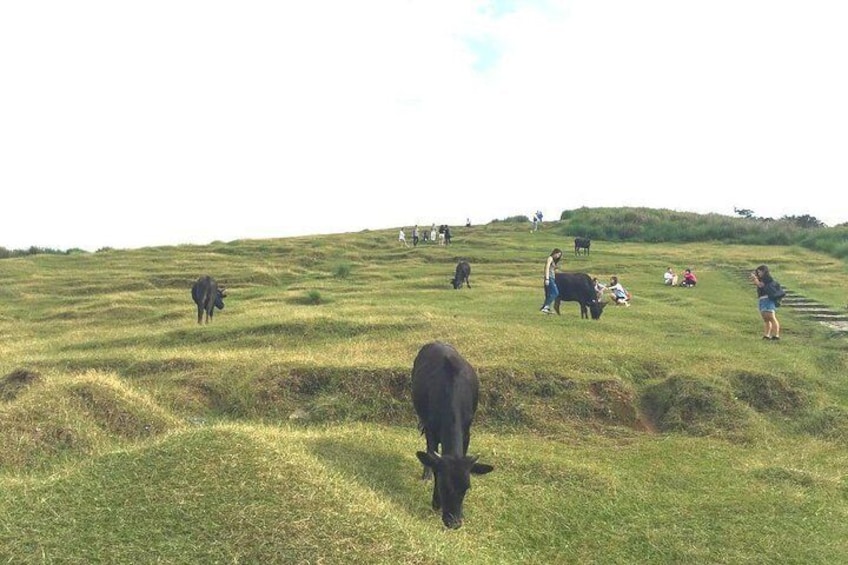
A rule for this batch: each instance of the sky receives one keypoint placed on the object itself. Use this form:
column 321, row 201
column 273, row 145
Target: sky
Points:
column 135, row 124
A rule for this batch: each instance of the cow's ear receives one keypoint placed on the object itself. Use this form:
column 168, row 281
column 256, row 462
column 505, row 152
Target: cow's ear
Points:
column 481, row 469
column 477, row 468
column 428, row 459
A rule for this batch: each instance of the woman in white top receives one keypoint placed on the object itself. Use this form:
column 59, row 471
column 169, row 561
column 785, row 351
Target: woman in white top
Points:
column 670, row 277
column 619, row 294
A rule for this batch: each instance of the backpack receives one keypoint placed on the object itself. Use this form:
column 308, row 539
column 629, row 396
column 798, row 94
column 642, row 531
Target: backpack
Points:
column 775, row 292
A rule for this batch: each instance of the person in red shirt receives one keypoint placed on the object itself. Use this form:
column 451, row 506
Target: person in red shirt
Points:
column 689, row 279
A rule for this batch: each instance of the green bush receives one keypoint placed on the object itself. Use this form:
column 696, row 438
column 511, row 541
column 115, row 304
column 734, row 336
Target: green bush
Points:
column 342, row 271
column 661, row 225
column 514, row 220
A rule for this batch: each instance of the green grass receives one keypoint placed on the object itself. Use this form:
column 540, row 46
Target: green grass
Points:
column 283, row 431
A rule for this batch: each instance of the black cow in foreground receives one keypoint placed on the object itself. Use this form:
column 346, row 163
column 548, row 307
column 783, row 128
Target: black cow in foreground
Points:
column 581, row 243
column 463, row 271
column 578, row 287
column 207, row 295
column 444, row 393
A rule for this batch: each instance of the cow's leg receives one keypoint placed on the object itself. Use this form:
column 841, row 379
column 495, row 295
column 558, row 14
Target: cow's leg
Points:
column 432, row 447
column 199, row 314
column 583, row 311
column 437, row 503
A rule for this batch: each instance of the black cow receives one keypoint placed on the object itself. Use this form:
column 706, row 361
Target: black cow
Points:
column 581, row 243
column 463, row 271
column 444, row 393
column 207, row 295
column 578, row 287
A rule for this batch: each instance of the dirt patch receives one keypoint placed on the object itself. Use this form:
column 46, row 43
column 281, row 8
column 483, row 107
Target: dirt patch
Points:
column 615, row 403
column 16, row 382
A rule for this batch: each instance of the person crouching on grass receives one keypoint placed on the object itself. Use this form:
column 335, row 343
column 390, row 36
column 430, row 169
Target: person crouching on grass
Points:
column 619, row 293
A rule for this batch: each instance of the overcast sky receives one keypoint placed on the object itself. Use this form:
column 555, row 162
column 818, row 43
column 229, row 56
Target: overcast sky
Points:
column 129, row 124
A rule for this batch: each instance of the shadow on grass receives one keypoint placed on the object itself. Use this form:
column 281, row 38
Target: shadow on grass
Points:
column 392, row 475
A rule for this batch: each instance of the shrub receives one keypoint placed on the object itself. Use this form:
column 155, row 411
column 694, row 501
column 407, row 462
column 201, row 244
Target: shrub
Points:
column 313, row 297
column 514, row 220
column 342, row 271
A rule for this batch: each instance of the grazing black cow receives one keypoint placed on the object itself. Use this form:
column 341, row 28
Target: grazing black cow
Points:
column 463, row 271
column 207, row 295
column 444, row 393
column 578, row 287
column 581, row 243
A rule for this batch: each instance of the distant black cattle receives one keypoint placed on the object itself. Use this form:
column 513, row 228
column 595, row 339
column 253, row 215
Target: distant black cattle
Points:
column 578, row 287
column 582, row 243
column 207, row 295
column 463, row 271
column 444, row 393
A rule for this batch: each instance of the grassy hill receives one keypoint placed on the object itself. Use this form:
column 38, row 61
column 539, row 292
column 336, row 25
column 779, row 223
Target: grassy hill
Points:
column 284, row 432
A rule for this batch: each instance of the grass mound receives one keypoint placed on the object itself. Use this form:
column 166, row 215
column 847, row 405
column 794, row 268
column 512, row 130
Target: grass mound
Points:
column 551, row 403
column 544, row 402
column 260, row 495
column 697, row 407
column 768, row 393
column 829, row 422
column 71, row 417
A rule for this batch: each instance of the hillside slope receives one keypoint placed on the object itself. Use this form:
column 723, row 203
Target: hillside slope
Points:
column 283, row 431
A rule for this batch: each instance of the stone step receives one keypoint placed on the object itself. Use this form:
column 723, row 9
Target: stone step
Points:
column 815, row 310
column 829, row 317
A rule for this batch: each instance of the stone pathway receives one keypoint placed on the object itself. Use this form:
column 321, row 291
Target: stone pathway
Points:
column 836, row 321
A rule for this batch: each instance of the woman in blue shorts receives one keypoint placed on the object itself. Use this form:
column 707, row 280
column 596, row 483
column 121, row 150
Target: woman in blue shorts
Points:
column 768, row 309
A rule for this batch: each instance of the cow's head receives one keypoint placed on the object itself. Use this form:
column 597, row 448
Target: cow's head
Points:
column 453, row 479
column 456, row 282
column 219, row 298
column 596, row 308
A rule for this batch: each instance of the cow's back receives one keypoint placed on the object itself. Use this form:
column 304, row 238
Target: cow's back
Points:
column 462, row 273
column 575, row 287
column 442, row 380
column 203, row 289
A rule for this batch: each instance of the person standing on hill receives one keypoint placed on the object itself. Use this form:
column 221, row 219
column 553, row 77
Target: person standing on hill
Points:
column 768, row 309
column 402, row 238
column 551, row 290
column 415, row 236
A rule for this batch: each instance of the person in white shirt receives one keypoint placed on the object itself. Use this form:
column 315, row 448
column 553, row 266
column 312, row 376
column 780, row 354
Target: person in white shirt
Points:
column 670, row 277
column 619, row 294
